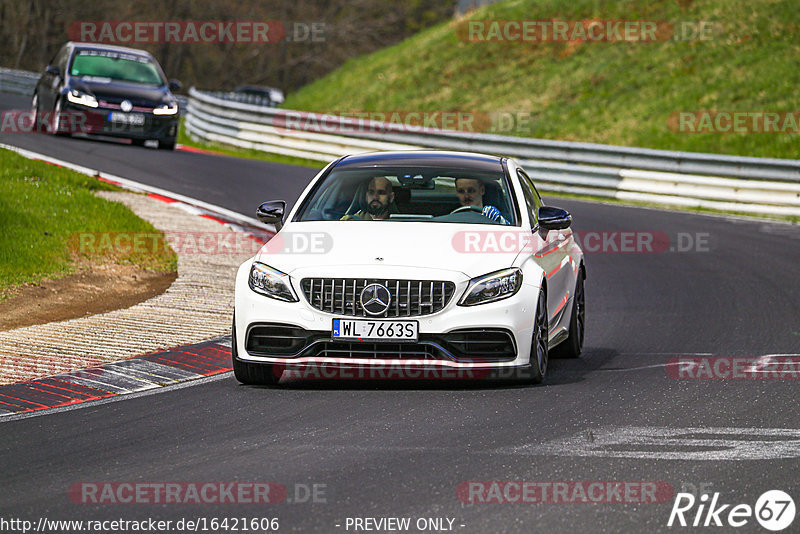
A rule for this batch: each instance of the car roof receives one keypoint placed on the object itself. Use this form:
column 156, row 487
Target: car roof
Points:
column 109, row 48
column 424, row 158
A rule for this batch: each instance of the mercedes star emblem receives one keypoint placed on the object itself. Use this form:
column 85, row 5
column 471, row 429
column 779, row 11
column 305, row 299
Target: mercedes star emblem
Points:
column 126, row 106
column 375, row 299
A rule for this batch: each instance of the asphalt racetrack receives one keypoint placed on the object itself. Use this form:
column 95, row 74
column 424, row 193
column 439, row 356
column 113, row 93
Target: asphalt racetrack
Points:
column 721, row 290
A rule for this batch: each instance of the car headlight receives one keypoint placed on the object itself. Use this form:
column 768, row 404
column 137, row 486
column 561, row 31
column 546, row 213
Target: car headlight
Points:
column 82, row 99
column 492, row 287
column 166, row 109
column 271, row 282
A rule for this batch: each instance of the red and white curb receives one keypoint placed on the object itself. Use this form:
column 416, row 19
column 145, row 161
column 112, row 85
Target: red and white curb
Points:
column 140, row 373
column 110, row 380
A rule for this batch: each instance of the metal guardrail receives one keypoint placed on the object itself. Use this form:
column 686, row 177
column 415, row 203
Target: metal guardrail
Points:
column 274, row 99
column 727, row 183
column 23, row 82
column 17, row 81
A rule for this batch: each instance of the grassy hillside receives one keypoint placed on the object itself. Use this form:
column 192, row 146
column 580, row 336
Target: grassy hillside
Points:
column 44, row 211
column 623, row 93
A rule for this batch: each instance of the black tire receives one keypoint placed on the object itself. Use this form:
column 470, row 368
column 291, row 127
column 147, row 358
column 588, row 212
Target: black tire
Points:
column 252, row 374
column 166, row 145
column 573, row 345
column 537, row 367
column 138, row 142
column 35, row 113
column 56, row 128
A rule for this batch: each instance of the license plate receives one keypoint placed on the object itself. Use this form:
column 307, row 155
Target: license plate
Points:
column 133, row 119
column 363, row 330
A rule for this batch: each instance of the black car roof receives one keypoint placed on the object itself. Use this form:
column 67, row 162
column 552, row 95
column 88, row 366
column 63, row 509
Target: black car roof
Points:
column 426, row 158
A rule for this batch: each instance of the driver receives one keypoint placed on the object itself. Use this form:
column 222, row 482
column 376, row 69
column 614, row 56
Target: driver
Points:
column 380, row 199
column 470, row 192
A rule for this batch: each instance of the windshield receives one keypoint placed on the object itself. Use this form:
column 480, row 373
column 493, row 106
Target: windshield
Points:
column 101, row 65
column 420, row 194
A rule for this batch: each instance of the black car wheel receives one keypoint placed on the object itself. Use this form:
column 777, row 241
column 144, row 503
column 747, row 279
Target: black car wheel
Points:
column 167, row 145
column 35, row 113
column 56, row 125
column 253, row 374
column 573, row 345
column 537, row 368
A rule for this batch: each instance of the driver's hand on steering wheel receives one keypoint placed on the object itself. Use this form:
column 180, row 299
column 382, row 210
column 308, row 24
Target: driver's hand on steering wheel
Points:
column 491, row 212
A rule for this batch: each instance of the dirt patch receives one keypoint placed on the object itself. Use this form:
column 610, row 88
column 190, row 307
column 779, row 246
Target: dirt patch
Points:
column 92, row 289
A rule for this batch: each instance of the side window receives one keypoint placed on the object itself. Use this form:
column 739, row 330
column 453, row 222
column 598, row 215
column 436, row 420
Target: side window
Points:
column 54, row 59
column 539, row 201
column 530, row 197
column 60, row 60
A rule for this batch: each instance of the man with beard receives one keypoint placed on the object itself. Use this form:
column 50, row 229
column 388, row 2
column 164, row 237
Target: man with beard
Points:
column 470, row 193
column 379, row 198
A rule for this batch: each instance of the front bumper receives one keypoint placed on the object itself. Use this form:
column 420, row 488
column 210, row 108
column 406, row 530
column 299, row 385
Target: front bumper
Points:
column 464, row 345
column 450, row 338
column 96, row 121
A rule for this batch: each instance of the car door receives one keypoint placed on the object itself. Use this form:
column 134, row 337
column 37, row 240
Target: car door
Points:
column 49, row 85
column 550, row 251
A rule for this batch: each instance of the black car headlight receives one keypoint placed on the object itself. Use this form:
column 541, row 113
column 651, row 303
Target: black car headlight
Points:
column 82, row 99
column 492, row 287
column 271, row 283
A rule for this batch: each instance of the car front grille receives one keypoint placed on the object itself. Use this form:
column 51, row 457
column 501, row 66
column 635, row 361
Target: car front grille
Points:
column 409, row 298
column 389, row 351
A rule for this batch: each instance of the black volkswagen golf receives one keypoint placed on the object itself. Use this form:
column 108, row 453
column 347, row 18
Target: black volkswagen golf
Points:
column 107, row 90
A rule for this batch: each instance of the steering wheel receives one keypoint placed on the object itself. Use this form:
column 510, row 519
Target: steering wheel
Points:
column 475, row 209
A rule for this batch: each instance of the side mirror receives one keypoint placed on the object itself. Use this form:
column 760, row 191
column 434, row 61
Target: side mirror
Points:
column 272, row 212
column 52, row 70
column 552, row 218
column 175, row 85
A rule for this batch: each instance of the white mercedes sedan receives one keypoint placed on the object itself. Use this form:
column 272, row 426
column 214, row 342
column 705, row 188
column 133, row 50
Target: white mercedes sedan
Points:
column 418, row 264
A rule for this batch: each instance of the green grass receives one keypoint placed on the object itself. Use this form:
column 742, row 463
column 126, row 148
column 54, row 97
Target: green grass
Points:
column 44, row 209
column 621, row 93
column 248, row 153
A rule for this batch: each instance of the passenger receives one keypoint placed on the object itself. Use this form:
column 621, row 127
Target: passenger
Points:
column 470, row 192
column 379, row 197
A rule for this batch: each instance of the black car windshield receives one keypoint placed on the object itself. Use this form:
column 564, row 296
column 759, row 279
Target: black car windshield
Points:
column 420, row 194
column 101, row 65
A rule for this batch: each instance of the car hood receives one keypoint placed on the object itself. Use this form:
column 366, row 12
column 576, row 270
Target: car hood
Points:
column 114, row 91
column 352, row 248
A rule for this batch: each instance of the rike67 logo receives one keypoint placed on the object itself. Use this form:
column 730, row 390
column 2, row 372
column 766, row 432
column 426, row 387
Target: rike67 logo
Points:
column 774, row 510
